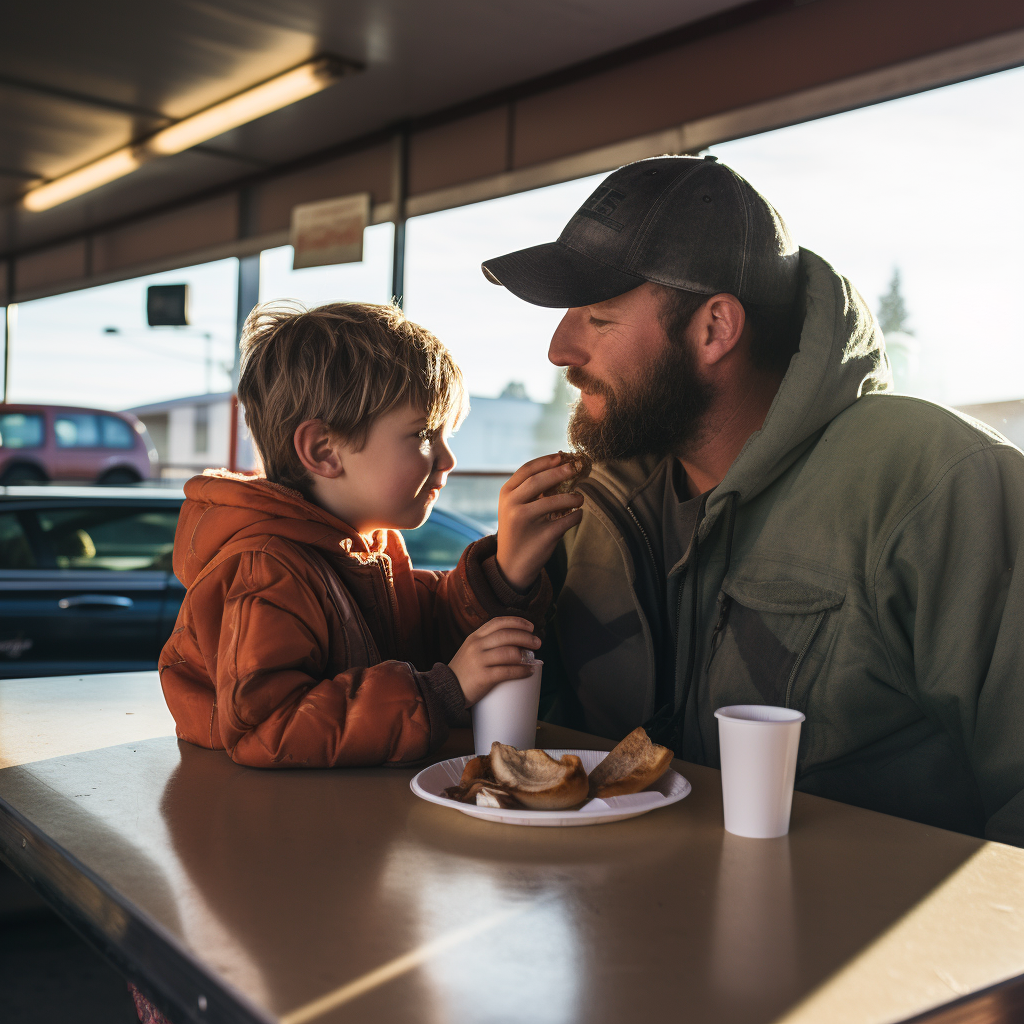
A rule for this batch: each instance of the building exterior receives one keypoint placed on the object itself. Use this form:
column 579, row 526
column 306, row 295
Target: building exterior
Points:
column 498, row 434
column 192, row 434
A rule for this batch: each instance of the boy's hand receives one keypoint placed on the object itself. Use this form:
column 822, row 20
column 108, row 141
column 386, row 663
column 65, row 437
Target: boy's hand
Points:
column 527, row 530
column 492, row 655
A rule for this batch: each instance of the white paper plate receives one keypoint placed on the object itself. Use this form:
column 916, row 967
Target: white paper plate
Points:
column 670, row 788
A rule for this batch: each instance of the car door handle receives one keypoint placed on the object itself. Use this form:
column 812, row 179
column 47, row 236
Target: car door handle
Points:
column 85, row 600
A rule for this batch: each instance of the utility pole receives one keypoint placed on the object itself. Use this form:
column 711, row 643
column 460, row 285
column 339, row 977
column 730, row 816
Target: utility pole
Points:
column 399, row 191
column 10, row 311
column 248, row 297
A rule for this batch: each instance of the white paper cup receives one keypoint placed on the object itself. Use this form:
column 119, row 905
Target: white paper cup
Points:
column 508, row 714
column 759, row 745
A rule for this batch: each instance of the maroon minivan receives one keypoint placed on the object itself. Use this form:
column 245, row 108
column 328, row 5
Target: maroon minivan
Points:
column 56, row 442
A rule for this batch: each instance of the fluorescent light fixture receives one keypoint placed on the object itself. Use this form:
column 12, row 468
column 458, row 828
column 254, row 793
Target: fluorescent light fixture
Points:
column 272, row 95
column 275, row 93
column 85, row 179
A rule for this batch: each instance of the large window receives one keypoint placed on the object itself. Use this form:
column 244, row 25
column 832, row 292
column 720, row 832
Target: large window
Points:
column 93, row 347
column 519, row 401
column 369, row 281
column 919, row 202
column 496, row 338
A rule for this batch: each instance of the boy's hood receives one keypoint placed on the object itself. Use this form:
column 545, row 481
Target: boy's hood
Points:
column 221, row 507
column 841, row 357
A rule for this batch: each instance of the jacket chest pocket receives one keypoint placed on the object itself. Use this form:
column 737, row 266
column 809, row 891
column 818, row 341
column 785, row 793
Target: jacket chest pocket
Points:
column 770, row 641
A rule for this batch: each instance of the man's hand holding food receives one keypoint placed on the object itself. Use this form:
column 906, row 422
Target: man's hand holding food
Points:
column 535, row 512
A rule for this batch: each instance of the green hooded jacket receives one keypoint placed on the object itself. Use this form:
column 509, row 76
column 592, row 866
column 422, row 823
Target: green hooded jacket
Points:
column 856, row 563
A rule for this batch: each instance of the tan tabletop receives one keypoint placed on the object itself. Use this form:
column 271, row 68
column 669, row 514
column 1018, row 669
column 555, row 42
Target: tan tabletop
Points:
column 338, row 896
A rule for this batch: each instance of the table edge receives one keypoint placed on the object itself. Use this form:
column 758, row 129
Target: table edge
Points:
column 137, row 947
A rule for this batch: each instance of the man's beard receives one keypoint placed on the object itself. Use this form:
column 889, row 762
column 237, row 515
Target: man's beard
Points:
column 659, row 413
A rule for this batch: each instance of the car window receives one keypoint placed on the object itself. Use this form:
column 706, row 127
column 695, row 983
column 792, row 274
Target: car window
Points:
column 15, row 552
column 21, row 430
column 116, row 433
column 115, row 538
column 77, row 430
column 435, row 544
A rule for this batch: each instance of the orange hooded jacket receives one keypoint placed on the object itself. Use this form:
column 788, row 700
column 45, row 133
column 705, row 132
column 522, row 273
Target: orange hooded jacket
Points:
column 299, row 644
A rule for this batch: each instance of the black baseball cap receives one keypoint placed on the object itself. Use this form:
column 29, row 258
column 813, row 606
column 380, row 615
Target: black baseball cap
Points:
column 682, row 221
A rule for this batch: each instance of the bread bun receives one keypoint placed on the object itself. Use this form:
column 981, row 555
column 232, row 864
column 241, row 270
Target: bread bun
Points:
column 633, row 764
column 583, row 468
column 537, row 780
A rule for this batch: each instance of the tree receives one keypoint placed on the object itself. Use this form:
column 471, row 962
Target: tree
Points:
column 892, row 313
column 515, row 389
column 549, row 430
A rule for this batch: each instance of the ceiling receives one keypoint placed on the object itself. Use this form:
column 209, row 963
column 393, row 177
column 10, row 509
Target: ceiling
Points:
column 78, row 80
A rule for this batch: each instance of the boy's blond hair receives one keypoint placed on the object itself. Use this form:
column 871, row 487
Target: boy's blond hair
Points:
column 345, row 364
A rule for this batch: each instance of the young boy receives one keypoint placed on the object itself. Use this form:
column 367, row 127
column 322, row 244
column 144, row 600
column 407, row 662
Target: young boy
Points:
column 306, row 638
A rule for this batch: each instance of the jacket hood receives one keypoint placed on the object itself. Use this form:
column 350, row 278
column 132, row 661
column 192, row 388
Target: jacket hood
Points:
column 222, row 507
column 841, row 357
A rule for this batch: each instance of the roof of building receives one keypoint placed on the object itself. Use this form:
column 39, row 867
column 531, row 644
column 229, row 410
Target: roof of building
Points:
column 212, row 398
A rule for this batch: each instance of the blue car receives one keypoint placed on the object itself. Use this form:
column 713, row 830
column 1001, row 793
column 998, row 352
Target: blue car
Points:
column 85, row 575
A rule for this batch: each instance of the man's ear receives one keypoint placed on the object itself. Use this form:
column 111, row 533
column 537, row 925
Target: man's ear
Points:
column 719, row 325
column 317, row 450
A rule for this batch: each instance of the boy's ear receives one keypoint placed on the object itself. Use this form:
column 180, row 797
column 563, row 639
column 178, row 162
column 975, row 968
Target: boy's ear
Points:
column 317, row 450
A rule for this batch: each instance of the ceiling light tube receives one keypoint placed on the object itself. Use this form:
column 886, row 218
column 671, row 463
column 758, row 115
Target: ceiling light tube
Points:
column 85, row 179
column 271, row 95
column 275, row 93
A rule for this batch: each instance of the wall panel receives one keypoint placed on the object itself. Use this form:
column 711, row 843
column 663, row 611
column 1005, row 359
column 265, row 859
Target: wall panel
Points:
column 368, row 170
column 704, row 85
column 50, row 267
column 184, row 230
column 781, row 54
column 473, row 147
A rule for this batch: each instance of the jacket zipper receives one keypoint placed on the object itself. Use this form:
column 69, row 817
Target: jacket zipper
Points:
column 650, row 547
column 389, row 586
column 724, row 604
column 800, row 657
column 661, row 587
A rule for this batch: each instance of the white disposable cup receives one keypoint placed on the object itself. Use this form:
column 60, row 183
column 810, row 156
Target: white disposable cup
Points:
column 758, row 745
column 508, row 714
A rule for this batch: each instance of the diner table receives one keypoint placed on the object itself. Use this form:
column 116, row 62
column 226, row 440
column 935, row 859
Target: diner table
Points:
column 298, row 896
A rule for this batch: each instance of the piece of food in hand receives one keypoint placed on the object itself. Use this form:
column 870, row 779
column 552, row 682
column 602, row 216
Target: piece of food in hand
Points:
column 583, row 468
column 537, row 780
column 633, row 764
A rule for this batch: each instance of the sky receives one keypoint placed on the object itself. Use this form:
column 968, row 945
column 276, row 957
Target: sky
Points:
column 928, row 183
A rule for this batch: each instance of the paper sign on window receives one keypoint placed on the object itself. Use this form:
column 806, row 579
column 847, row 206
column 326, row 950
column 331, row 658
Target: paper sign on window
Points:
column 329, row 231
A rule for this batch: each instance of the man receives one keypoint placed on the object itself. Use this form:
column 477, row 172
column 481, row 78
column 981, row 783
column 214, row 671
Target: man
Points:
column 766, row 523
